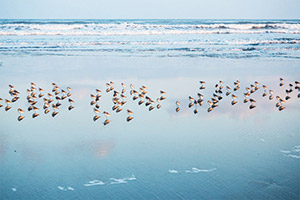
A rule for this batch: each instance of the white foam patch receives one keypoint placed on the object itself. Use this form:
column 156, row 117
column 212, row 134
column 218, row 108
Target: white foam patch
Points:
column 122, row 180
column 293, row 153
column 65, row 189
column 293, row 156
column 61, row 188
column 285, row 151
column 70, row 188
column 14, row 189
column 93, row 183
column 117, row 181
column 263, row 140
column 173, row 171
column 196, row 170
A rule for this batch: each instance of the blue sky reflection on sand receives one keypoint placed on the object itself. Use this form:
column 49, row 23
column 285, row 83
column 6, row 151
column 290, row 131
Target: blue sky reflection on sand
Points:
column 243, row 146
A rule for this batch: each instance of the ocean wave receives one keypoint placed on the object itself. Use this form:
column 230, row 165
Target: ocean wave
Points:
column 112, row 29
column 253, row 42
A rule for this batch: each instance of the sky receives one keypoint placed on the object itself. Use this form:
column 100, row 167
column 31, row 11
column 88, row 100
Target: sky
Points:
column 150, row 9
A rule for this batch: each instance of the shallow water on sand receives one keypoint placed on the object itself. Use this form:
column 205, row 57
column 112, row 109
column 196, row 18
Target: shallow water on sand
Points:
column 230, row 153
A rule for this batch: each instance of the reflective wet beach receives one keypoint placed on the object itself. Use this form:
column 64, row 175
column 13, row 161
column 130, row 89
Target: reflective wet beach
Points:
column 231, row 152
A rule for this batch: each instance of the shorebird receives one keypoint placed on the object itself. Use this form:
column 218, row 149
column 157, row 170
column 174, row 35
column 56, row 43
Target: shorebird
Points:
column 71, row 101
column 202, row 87
column 271, row 94
column 236, row 88
column 195, row 111
column 7, row 108
column 151, row 108
column 96, row 117
column 129, row 118
column 129, row 112
column 20, row 111
column 297, row 87
column 162, row 98
column 228, row 90
column 265, row 91
column 134, row 98
column 252, row 103
column 47, row 110
column 158, row 106
column 54, row 113
column 191, row 104
column 106, row 114
column 119, row 110
column 233, row 102
column 114, row 107
column 15, row 99
column 281, row 108
column 34, row 115
column 281, row 82
column 252, row 106
column 141, row 102
column 107, row 121
column 209, row 109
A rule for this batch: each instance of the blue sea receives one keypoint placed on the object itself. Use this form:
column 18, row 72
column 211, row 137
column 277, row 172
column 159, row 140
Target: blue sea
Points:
column 171, row 151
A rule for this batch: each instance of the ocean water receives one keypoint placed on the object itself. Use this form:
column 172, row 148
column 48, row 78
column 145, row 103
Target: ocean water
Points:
column 192, row 38
column 232, row 152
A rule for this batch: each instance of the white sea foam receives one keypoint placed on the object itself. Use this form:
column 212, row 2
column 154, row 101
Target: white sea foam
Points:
column 293, row 156
column 117, row 181
column 285, row 151
column 196, row 170
column 296, row 150
column 122, row 180
column 14, row 189
column 61, row 188
column 146, row 29
column 70, row 188
column 93, row 183
column 293, row 153
column 173, row 171
column 65, row 188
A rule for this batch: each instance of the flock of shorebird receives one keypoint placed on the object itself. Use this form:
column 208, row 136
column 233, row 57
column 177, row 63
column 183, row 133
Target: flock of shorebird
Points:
column 119, row 99
column 53, row 100
column 218, row 95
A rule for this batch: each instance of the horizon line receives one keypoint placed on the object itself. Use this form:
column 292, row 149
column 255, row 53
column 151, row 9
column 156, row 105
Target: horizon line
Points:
column 149, row 18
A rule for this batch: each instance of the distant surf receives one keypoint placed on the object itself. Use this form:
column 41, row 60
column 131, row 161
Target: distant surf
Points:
column 163, row 38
